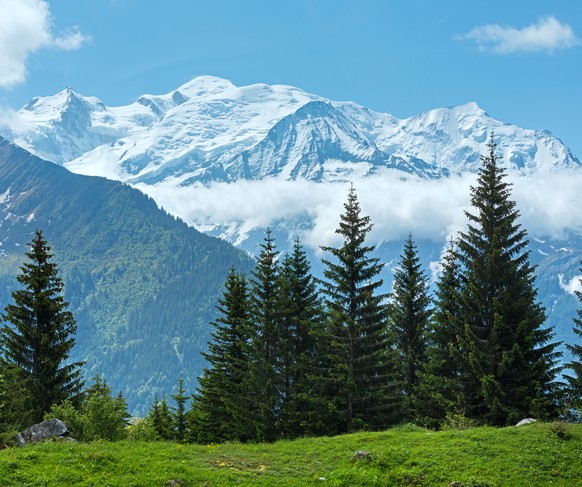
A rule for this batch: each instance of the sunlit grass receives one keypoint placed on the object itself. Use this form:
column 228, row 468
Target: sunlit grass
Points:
column 528, row 456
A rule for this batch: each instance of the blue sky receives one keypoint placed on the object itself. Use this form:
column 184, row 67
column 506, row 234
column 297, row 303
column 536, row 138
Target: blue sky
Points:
column 520, row 60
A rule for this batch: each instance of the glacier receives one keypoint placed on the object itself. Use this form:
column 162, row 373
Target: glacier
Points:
column 211, row 130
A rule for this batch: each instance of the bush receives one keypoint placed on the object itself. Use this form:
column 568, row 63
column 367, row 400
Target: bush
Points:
column 456, row 420
column 141, row 430
column 560, row 430
column 99, row 417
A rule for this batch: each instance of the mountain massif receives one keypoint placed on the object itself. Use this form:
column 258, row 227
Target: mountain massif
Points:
column 218, row 156
column 211, row 130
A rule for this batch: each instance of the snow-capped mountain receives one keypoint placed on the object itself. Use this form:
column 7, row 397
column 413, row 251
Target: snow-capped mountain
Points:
column 211, row 130
column 232, row 161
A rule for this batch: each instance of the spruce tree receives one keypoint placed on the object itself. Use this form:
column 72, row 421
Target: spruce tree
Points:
column 301, row 320
column 161, row 420
column 575, row 379
column 38, row 332
column 408, row 316
column 181, row 424
column 265, row 380
column 361, row 379
column 509, row 359
column 440, row 390
column 221, row 407
column 15, row 413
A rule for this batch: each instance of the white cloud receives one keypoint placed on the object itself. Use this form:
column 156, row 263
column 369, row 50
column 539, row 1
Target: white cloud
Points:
column 548, row 34
column 430, row 209
column 70, row 41
column 571, row 286
column 549, row 203
column 25, row 27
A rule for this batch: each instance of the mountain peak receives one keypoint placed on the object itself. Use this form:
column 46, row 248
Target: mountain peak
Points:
column 206, row 85
column 51, row 107
column 470, row 106
column 210, row 127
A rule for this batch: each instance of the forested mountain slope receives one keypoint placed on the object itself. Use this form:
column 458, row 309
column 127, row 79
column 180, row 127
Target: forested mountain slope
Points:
column 142, row 285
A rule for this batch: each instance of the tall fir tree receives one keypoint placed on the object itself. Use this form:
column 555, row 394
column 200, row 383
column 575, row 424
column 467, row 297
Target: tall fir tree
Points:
column 408, row 316
column 301, row 318
column 362, row 372
column 509, row 359
column 575, row 378
column 440, row 389
column 39, row 333
column 220, row 408
column 265, row 379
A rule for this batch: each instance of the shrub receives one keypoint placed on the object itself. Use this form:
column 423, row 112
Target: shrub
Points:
column 100, row 416
column 456, row 420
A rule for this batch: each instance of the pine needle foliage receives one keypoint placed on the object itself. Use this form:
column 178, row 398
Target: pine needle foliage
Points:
column 440, row 389
column 180, row 421
column 362, row 371
column 221, row 407
column 39, row 332
column 301, row 317
column 408, row 316
column 575, row 378
column 509, row 358
column 266, row 343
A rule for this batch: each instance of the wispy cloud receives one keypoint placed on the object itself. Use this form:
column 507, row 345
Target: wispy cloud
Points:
column 26, row 26
column 71, row 40
column 548, row 34
column 572, row 286
column 430, row 209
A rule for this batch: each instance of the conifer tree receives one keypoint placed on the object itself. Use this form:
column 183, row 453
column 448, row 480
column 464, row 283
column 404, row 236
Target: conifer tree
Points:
column 509, row 359
column 106, row 416
column 361, row 377
column 161, row 420
column 265, row 380
column 15, row 413
column 440, row 391
column 38, row 332
column 575, row 379
column 220, row 408
column 301, row 320
column 408, row 315
column 181, row 423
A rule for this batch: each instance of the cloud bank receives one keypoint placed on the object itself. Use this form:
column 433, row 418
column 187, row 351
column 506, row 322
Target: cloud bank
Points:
column 430, row 209
column 548, row 34
column 572, row 286
column 25, row 27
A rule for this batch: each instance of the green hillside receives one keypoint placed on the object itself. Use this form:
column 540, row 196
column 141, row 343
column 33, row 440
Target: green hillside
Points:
column 141, row 284
column 534, row 455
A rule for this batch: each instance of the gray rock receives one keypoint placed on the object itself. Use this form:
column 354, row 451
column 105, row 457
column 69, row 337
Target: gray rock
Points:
column 361, row 455
column 53, row 428
column 526, row 421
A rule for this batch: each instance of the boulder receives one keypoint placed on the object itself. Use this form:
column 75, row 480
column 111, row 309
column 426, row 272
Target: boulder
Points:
column 361, row 455
column 53, row 428
column 526, row 421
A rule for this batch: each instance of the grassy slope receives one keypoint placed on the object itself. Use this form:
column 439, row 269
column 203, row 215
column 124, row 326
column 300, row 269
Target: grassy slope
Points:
column 527, row 456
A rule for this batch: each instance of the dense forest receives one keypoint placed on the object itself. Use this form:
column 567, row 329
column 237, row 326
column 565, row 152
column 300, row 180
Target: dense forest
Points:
column 293, row 356
column 135, row 277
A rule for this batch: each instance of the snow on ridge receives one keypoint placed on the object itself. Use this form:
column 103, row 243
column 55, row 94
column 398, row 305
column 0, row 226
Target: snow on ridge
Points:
column 203, row 130
column 4, row 197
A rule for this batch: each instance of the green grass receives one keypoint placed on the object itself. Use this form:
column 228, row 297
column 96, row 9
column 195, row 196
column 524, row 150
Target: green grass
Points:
column 534, row 455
